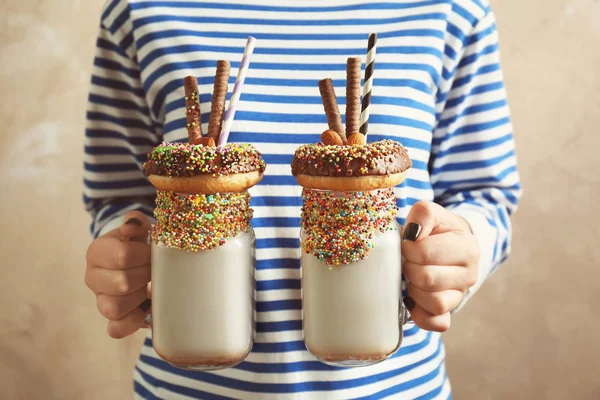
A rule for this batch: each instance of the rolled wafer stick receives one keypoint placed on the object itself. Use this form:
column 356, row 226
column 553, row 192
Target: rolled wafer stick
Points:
column 219, row 96
column 353, row 75
column 368, row 84
column 192, row 109
column 332, row 111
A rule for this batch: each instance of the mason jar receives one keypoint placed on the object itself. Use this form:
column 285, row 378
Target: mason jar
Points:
column 351, row 276
column 203, row 284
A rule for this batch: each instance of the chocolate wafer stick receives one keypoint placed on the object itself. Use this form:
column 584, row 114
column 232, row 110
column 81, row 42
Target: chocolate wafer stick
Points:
column 217, row 108
column 353, row 75
column 192, row 109
column 332, row 111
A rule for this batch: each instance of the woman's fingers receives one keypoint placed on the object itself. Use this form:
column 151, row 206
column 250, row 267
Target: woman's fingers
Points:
column 117, row 282
column 113, row 253
column 449, row 248
column 435, row 303
column 427, row 218
column 126, row 325
column 115, row 308
column 135, row 226
column 435, row 278
column 426, row 320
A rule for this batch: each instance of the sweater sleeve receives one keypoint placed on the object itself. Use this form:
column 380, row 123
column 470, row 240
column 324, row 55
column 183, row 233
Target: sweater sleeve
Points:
column 119, row 130
column 473, row 166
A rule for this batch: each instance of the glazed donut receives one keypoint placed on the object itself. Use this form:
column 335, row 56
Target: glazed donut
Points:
column 206, row 184
column 195, row 168
column 370, row 166
column 357, row 184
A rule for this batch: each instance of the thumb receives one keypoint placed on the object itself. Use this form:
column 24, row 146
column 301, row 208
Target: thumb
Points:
column 135, row 226
column 426, row 218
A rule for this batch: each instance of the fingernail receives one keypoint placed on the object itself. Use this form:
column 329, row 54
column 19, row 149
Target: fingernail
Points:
column 409, row 302
column 411, row 231
column 133, row 221
column 145, row 306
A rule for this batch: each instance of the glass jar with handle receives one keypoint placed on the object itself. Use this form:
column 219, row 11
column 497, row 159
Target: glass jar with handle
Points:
column 203, row 279
column 351, row 276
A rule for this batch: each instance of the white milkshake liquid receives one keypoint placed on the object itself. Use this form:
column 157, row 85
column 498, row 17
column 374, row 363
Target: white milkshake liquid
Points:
column 351, row 312
column 203, row 304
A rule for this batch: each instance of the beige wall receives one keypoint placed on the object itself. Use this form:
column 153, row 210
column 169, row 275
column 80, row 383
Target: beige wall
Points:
column 527, row 335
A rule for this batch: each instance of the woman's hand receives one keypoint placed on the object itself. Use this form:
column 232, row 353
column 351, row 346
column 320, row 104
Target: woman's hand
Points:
column 118, row 272
column 441, row 260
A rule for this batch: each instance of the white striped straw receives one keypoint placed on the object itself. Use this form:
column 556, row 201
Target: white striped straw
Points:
column 237, row 91
column 368, row 84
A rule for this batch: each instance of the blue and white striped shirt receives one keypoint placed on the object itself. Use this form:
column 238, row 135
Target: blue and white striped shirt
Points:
column 438, row 90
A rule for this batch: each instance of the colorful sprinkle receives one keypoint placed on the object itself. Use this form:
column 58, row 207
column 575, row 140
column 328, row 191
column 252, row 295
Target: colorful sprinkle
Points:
column 339, row 227
column 198, row 222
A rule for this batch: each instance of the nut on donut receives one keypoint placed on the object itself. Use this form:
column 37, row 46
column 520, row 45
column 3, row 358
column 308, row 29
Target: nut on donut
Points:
column 189, row 168
column 365, row 167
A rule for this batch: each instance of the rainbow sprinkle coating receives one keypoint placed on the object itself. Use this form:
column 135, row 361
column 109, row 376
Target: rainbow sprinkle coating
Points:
column 184, row 159
column 339, row 227
column 200, row 222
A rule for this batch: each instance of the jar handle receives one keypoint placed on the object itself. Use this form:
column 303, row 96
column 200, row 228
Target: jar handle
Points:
column 404, row 316
column 148, row 320
column 147, row 304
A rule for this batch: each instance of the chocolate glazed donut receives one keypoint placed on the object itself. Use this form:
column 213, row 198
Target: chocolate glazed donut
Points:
column 351, row 168
column 189, row 168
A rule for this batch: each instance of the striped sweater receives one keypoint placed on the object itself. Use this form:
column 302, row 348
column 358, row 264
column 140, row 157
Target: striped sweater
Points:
column 438, row 89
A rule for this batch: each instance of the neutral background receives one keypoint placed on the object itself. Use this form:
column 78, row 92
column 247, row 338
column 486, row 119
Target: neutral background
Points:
column 532, row 331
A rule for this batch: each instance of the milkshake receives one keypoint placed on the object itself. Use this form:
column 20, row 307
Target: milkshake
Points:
column 203, row 279
column 202, row 244
column 351, row 313
column 202, row 303
column 352, row 310
column 351, row 276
